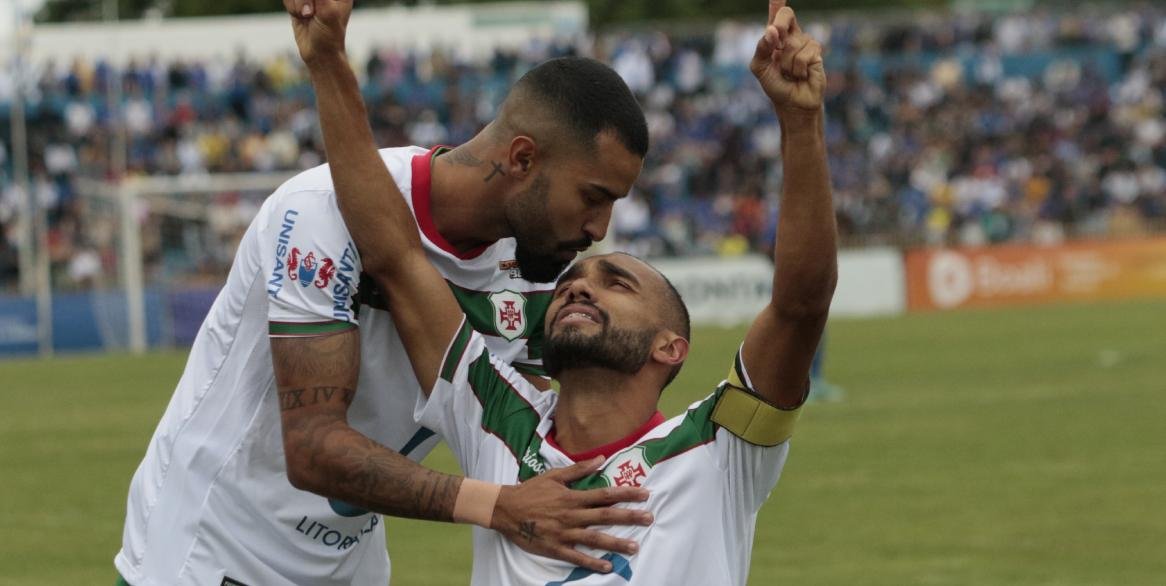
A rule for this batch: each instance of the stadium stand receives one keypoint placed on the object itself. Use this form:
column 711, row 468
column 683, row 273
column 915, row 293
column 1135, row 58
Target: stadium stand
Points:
column 952, row 129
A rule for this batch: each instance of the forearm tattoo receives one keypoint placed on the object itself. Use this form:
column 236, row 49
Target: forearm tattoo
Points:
column 296, row 398
column 335, row 460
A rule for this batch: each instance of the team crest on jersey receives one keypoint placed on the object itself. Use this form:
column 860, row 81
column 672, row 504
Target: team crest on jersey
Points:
column 509, row 314
column 628, row 468
column 511, row 268
column 307, row 270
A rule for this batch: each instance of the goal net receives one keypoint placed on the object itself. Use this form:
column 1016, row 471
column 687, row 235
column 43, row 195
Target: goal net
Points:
column 152, row 254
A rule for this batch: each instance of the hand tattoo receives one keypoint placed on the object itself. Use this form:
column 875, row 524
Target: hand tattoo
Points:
column 526, row 529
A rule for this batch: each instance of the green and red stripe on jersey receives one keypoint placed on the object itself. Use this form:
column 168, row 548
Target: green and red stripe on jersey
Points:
column 284, row 329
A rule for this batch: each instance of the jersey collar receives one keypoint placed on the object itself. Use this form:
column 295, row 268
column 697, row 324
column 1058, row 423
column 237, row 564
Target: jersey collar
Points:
column 422, row 182
column 608, row 450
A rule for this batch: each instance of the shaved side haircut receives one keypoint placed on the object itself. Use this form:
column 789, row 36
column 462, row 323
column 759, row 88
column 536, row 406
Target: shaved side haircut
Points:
column 576, row 99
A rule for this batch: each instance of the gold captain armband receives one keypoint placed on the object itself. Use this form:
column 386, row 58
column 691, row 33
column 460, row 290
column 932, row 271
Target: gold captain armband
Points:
column 750, row 418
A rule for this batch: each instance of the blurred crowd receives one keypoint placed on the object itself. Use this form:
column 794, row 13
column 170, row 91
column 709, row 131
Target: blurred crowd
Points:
column 962, row 129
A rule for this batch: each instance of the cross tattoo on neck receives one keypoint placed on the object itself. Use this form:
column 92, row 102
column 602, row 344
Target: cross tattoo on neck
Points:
column 497, row 171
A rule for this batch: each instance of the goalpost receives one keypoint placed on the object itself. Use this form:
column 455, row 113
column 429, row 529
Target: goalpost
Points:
column 177, row 216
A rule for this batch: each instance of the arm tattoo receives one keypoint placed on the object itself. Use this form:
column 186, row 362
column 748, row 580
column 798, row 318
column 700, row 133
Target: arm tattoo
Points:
column 371, row 475
column 332, row 458
column 296, row 398
column 497, row 171
column 526, row 529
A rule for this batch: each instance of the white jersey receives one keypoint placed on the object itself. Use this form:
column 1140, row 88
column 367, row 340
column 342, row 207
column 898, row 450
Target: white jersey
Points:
column 211, row 503
column 706, row 484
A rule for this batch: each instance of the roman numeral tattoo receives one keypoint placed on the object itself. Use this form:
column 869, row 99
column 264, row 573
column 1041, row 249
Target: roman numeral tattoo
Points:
column 296, row 398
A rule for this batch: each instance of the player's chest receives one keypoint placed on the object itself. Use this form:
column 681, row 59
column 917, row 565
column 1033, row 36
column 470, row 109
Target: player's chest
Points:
column 638, row 465
column 511, row 310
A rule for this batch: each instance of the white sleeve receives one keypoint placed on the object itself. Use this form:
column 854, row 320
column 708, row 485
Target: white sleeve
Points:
column 312, row 269
column 477, row 395
column 752, row 471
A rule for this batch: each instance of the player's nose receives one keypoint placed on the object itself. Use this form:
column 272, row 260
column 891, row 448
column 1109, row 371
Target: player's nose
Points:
column 580, row 289
column 595, row 228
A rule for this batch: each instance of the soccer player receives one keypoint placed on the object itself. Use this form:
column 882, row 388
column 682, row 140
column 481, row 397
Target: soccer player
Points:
column 616, row 335
column 244, row 484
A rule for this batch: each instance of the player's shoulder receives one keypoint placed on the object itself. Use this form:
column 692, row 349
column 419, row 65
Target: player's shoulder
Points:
column 688, row 423
column 490, row 373
column 317, row 181
column 399, row 160
column 301, row 206
column 681, row 433
column 311, row 196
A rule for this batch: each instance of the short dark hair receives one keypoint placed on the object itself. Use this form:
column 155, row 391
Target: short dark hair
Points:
column 589, row 98
column 677, row 317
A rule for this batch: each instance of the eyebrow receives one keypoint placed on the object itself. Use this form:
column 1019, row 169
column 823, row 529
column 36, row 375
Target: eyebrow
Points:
column 606, row 266
column 612, row 269
column 605, row 191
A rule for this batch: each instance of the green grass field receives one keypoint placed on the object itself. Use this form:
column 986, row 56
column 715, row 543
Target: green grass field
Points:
column 1006, row 447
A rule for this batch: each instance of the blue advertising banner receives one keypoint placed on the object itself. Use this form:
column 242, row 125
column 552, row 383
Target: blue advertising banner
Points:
column 17, row 325
column 89, row 321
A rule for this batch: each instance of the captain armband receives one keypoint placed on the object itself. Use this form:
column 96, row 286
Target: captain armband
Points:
column 750, row 418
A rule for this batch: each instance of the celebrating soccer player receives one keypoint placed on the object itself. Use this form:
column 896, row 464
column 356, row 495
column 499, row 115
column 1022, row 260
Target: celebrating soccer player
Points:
column 274, row 459
column 616, row 335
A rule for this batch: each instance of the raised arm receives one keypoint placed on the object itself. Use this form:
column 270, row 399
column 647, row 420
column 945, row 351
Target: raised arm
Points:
column 541, row 515
column 780, row 345
column 377, row 216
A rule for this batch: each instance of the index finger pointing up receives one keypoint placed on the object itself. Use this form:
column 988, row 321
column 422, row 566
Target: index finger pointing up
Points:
column 774, row 6
column 785, row 20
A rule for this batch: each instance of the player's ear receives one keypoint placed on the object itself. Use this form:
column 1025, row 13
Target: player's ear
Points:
column 521, row 157
column 669, row 348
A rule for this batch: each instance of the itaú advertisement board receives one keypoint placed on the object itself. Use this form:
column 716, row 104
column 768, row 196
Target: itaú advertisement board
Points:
column 1013, row 275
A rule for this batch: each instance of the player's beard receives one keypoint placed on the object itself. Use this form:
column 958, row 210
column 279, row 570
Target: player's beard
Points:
column 540, row 257
column 624, row 351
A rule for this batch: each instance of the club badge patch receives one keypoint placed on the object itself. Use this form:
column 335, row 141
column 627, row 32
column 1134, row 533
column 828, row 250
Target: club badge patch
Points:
column 628, row 468
column 509, row 314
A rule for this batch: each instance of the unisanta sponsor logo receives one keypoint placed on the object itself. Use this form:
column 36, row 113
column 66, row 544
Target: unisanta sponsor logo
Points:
column 327, row 271
column 305, row 269
column 275, row 283
column 345, row 287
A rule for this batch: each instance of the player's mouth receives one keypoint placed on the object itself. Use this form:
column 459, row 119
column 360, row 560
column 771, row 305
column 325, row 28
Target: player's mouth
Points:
column 579, row 314
column 570, row 250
